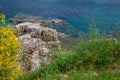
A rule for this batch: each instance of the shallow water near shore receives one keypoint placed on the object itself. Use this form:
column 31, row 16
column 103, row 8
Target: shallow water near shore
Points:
column 77, row 13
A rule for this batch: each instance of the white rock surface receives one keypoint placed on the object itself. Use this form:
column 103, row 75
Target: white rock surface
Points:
column 37, row 42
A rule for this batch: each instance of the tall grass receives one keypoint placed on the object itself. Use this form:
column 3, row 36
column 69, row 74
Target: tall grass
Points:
column 95, row 52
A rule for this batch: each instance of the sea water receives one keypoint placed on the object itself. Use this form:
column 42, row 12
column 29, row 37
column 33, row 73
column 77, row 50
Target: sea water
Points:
column 77, row 13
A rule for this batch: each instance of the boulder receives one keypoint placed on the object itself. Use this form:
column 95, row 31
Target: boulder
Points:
column 37, row 44
column 49, row 35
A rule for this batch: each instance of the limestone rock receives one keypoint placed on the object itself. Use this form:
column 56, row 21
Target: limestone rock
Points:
column 49, row 35
column 62, row 35
column 37, row 42
column 18, row 20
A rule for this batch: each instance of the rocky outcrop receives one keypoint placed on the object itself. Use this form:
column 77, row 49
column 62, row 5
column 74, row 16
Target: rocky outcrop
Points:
column 42, row 22
column 38, row 44
column 58, row 24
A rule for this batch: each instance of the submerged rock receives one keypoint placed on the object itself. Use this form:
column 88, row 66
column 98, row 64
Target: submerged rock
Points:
column 37, row 44
column 18, row 20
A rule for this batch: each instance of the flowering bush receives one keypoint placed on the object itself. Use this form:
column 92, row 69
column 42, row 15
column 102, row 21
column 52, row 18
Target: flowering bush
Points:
column 2, row 18
column 9, row 46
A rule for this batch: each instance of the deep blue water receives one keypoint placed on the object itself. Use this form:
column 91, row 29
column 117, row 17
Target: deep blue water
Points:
column 77, row 13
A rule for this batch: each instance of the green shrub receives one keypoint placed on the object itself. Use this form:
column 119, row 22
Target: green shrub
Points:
column 9, row 47
column 98, row 50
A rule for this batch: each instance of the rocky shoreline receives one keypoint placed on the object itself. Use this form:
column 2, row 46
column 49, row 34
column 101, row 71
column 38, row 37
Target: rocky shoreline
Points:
column 39, row 43
column 60, row 25
column 45, row 23
column 40, row 40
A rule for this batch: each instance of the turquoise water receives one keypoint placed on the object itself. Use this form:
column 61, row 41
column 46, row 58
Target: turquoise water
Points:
column 77, row 13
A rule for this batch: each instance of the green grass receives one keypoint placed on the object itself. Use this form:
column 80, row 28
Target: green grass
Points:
column 92, row 75
column 95, row 58
column 89, row 56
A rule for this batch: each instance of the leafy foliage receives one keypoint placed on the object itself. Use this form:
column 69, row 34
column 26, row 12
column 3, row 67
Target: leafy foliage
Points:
column 9, row 47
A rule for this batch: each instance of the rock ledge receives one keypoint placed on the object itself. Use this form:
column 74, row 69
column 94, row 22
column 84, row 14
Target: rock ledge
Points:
column 37, row 44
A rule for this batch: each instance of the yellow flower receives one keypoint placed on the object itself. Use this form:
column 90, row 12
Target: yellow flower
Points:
column 9, row 47
column 2, row 48
column 38, row 79
column 2, row 17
